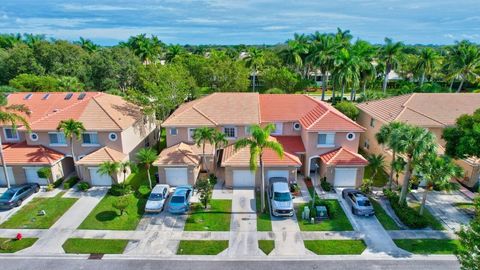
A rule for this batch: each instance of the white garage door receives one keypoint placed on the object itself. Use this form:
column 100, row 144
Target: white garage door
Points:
column 243, row 178
column 99, row 179
column 277, row 173
column 176, row 176
column 32, row 176
column 3, row 181
column 345, row 177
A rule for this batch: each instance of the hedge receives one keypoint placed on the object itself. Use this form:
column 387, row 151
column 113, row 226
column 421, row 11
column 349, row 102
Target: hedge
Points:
column 70, row 182
column 409, row 216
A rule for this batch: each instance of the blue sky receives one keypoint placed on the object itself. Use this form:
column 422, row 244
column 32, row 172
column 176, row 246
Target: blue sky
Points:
column 243, row 21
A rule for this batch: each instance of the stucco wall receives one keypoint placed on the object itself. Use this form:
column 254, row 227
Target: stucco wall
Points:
column 21, row 135
column 229, row 174
column 329, row 173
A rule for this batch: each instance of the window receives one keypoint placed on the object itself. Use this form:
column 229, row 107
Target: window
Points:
column 247, row 130
column 173, row 131
column 296, row 126
column 68, row 96
column 326, row 139
column 34, row 136
column 372, row 122
column 112, row 136
column 350, row 136
column 366, row 144
column 90, row 138
column 278, row 129
column 27, row 96
column 230, row 132
column 57, row 138
column 82, row 96
column 10, row 134
column 45, row 97
column 191, row 131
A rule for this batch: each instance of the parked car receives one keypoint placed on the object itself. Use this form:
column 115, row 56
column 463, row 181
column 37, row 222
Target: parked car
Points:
column 180, row 200
column 158, row 197
column 281, row 200
column 358, row 201
column 14, row 196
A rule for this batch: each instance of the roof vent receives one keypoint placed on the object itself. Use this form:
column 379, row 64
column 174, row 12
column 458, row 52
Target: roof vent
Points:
column 45, row 96
column 27, row 96
column 82, row 96
column 68, row 96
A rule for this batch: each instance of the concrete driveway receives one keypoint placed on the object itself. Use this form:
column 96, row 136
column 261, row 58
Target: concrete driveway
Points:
column 5, row 214
column 376, row 238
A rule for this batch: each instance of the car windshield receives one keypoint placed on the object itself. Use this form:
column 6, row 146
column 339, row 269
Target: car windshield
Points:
column 155, row 197
column 363, row 203
column 7, row 195
column 282, row 196
column 177, row 199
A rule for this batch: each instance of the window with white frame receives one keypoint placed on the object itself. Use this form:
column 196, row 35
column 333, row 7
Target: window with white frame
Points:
column 366, row 144
column 296, row 126
column 278, row 129
column 247, row 130
column 372, row 122
column 173, row 131
column 10, row 134
column 57, row 138
column 230, row 132
column 326, row 140
column 191, row 131
column 90, row 138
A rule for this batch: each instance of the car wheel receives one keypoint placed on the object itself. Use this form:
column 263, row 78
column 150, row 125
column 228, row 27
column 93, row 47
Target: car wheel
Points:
column 37, row 189
column 19, row 202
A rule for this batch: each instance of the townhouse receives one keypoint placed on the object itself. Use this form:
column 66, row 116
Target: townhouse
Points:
column 317, row 139
column 115, row 131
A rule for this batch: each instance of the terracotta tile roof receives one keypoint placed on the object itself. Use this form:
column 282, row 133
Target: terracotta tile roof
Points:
column 342, row 156
column 241, row 157
column 179, row 154
column 21, row 153
column 217, row 109
column 291, row 144
column 423, row 109
column 97, row 111
column 101, row 155
column 285, row 107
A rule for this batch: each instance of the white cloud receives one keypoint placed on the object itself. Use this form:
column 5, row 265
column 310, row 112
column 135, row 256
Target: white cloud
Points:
column 203, row 21
column 275, row 27
column 55, row 22
column 78, row 7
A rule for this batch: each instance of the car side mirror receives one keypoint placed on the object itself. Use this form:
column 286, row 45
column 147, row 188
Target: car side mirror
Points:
column 293, row 197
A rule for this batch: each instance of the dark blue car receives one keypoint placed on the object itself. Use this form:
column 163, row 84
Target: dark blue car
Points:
column 14, row 196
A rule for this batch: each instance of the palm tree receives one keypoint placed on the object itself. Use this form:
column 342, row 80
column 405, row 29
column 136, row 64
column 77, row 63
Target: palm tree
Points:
column 438, row 171
column 427, row 62
column 398, row 165
column 415, row 143
column 365, row 53
column 254, row 60
column 173, row 51
column 87, row 45
column 324, row 49
column 11, row 115
column 124, row 167
column 464, row 62
column 219, row 142
column 296, row 52
column 389, row 55
column 32, row 40
column 110, row 168
column 257, row 143
column 376, row 163
column 343, row 37
column 390, row 136
column 147, row 156
column 148, row 49
column 202, row 136
column 72, row 129
column 346, row 72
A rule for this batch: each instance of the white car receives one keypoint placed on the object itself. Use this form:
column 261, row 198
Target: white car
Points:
column 157, row 199
column 281, row 200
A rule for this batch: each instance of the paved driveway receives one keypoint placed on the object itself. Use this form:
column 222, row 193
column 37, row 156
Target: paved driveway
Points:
column 5, row 214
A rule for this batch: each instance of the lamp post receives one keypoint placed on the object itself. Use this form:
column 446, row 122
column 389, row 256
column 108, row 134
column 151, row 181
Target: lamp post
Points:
column 313, row 184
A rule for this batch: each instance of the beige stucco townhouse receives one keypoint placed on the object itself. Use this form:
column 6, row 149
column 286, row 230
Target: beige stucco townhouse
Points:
column 433, row 111
column 315, row 136
column 115, row 131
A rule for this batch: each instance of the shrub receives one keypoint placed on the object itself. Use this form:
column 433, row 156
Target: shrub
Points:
column 409, row 216
column 204, row 188
column 143, row 191
column 45, row 172
column 119, row 189
column 49, row 187
column 121, row 203
column 58, row 183
column 326, row 186
column 367, row 186
column 332, row 208
column 348, row 108
column 70, row 182
column 83, row 186
column 213, row 179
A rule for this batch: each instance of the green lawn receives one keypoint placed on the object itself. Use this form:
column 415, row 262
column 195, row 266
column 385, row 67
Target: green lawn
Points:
column 8, row 245
column 201, row 247
column 264, row 222
column 95, row 246
column 215, row 218
column 27, row 217
column 266, row 246
column 335, row 247
column 339, row 222
column 140, row 177
column 105, row 217
column 428, row 246
column 433, row 222
column 387, row 222
column 380, row 180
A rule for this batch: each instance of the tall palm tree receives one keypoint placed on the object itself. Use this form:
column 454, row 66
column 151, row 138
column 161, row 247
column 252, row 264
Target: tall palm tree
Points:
column 376, row 163
column 415, row 143
column 346, row 72
column 254, row 60
column 32, row 39
column 427, row 62
column 202, row 136
column 296, row 52
column 124, row 167
column 110, row 168
column 390, row 136
column 148, row 49
column 147, row 156
column 437, row 171
column 173, row 51
column 464, row 62
column 398, row 165
column 219, row 142
column 322, row 55
column 257, row 143
column 343, row 37
column 12, row 115
column 72, row 129
column 389, row 55
column 365, row 53
column 87, row 45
